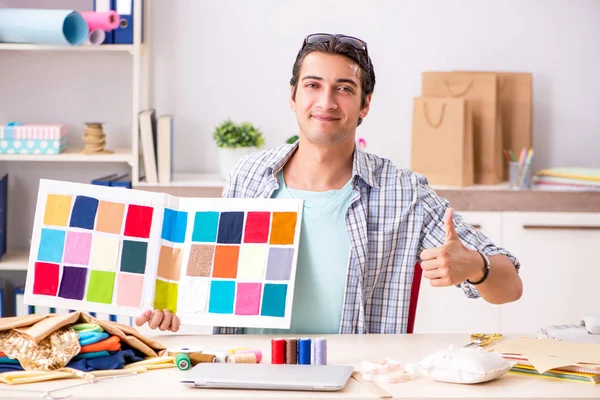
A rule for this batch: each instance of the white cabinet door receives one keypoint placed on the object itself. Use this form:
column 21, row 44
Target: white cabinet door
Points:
column 559, row 268
column 448, row 310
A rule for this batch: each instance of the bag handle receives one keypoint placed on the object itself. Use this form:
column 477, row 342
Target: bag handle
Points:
column 467, row 88
column 428, row 118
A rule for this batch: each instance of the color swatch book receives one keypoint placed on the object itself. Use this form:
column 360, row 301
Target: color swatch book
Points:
column 213, row 261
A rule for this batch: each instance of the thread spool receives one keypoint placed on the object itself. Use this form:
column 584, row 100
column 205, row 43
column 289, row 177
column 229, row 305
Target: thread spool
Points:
column 291, row 351
column 277, row 351
column 248, row 358
column 256, row 352
column 221, row 356
column 234, row 350
column 320, row 351
column 304, row 347
column 197, row 358
column 183, row 356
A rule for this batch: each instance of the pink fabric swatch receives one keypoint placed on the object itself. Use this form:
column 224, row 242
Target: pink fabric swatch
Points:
column 247, row 299
column 129, row 289
column 77, row 248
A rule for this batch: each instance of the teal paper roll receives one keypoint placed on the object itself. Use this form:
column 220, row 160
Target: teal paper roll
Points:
column 55, row 27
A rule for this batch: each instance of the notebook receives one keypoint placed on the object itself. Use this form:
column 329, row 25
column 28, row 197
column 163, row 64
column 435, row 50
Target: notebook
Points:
column 268, row 376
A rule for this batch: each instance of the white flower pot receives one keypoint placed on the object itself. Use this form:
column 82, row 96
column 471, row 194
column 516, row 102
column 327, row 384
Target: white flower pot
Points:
column 228, row 158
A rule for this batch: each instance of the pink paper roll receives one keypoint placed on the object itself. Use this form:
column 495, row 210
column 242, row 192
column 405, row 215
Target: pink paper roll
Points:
column 106, row 21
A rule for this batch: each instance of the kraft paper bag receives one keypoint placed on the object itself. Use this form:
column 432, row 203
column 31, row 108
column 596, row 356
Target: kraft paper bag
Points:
column 481, row 92
column 442, row 141
column 515, row 94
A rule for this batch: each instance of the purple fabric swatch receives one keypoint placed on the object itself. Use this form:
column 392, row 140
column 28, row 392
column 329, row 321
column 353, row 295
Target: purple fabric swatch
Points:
column 72, row 285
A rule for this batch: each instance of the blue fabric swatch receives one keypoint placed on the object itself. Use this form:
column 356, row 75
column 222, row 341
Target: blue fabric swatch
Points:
column 84, row 212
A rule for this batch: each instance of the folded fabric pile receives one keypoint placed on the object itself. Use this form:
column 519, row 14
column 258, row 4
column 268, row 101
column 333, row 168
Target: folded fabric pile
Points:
column 99, row 351
column 45, row 347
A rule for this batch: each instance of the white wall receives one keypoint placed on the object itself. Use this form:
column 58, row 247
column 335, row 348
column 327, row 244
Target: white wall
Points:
column 232, row 58
column 214, row 59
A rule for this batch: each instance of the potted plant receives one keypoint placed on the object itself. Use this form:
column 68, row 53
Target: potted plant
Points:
column 235, row 141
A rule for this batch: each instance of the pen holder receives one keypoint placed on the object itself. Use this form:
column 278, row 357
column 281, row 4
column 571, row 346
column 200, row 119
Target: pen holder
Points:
column 519, row 178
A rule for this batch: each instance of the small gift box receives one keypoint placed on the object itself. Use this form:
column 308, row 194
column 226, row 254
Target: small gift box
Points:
column 19, row 138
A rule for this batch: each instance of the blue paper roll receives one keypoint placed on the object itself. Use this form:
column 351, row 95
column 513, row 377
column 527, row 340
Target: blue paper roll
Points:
column 55, row 27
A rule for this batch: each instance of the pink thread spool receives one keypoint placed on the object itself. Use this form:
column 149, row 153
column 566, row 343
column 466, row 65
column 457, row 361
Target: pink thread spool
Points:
column 256, row 352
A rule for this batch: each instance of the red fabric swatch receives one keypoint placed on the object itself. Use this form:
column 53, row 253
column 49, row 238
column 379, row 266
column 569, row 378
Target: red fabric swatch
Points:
column 45, row 278
column 138, row 222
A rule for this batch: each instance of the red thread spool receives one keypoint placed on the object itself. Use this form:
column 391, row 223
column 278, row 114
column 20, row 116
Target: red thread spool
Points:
column 278, row 351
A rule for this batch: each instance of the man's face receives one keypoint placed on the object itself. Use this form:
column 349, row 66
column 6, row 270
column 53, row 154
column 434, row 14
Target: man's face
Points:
column 328, row 98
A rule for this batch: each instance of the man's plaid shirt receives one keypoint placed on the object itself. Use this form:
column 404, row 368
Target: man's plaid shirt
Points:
column 393, row 217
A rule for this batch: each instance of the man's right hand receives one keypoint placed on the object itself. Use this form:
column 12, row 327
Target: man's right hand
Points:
column 164, row 320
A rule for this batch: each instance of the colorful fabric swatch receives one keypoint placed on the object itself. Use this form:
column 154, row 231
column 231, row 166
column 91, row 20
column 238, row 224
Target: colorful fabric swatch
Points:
column 227, row 262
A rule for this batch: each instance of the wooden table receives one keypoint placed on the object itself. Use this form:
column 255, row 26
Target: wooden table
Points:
column 342, row 349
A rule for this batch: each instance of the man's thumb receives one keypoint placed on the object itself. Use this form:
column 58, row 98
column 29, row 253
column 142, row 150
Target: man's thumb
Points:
column 449, row 225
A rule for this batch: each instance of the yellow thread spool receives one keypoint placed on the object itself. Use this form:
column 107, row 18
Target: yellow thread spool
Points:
column 232, row 351
column 245, row 358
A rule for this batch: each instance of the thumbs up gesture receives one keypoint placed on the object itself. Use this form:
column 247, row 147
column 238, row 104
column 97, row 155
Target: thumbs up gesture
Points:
column 451, row 263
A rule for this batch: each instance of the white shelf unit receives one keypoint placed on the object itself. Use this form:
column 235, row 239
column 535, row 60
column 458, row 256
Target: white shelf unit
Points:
column 17, row 260
column 43, row 47
column 188, row 180
column 75, row 155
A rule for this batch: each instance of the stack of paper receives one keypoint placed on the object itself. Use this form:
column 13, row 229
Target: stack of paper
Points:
column 574, row 178
column 554, row 359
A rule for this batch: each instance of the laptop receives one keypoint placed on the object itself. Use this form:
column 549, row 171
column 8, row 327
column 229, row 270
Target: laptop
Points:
column 268, row 376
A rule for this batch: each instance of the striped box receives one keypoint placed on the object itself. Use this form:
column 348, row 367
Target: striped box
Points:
column 18, row 130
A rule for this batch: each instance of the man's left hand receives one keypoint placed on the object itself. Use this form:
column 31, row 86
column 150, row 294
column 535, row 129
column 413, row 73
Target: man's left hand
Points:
column 451, row 263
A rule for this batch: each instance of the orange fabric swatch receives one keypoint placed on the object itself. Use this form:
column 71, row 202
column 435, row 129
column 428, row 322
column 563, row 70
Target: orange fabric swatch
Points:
column 226, row 261
column 113, row 343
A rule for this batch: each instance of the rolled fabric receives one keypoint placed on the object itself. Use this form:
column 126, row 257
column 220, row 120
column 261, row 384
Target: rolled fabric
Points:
column 87, row 327
column 105, row 21
column 86, row 338
column 113, row 343
column 54, row 27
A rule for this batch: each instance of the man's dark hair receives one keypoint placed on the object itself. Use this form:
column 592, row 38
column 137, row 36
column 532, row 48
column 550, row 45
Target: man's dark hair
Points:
column 334, row 46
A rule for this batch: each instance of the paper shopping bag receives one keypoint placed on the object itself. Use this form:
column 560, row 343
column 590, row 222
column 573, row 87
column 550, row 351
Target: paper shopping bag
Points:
column 515, row 94
column 442, row 141
column 481, row 92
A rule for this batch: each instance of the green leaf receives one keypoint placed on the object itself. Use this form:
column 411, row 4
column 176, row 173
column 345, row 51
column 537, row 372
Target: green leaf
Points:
column 231, row 135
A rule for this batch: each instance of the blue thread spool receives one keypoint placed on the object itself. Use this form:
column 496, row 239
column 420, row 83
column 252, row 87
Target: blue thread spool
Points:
column 320, row 349
column 304, row 351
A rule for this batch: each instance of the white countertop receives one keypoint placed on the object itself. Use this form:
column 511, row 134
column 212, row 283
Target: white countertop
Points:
column 342, row 349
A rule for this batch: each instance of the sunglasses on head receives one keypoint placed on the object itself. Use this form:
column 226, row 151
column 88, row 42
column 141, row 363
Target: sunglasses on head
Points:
column 357, row 43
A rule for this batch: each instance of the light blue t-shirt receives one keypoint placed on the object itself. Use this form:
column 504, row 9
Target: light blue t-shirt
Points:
column 324, row 250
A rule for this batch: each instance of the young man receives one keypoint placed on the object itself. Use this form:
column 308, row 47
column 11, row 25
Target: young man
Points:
column 365, row 222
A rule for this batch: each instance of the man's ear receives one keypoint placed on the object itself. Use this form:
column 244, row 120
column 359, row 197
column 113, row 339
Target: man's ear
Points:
column 292, row 100
column 366, row 107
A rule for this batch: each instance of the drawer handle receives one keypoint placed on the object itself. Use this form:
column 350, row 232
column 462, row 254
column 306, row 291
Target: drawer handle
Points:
column 476, row 226
column 564, row 227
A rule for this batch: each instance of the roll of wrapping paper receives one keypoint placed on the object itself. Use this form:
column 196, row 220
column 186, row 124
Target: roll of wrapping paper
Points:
column 105, row 21
column 95, row 37
column 53, row 27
